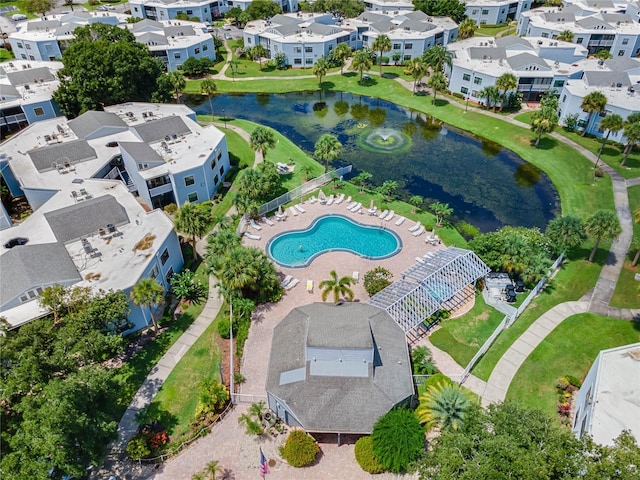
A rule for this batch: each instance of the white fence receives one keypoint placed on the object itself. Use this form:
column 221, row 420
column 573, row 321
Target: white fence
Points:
column 248, row 398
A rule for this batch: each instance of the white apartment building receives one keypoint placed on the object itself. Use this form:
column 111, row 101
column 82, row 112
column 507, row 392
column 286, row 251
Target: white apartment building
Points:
column 203, row 10
column 388, row 6
column 618, row 79
column 538, row 64
column 495, row 12
column 616, row 33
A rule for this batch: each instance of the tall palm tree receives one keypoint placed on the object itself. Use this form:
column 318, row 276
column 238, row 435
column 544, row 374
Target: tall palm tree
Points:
column 361, row 62
column 505, row 83
column 258, row 52
column 327, row 149
column 441, row 211
column 361, row 179
column 437, row 57
column 593, row 102
column 337, row 286
column 603, row 224
column 212, row 469
column 262, row 139
column 632, row 132
column 543, row 121
column 467, row 28
column 443, row 405
column 381, row 44
column 417, row 69
column 566, row 36
column 320, row 69
column 611, row 123
column 236, row 271
column 194, row 221
column 492, row 96
column 438, row 83
column 341, row 53
column 209, row 88
column 147, row 292
column 177, row 82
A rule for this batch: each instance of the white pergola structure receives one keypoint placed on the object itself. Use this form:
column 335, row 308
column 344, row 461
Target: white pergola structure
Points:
column 440, row 282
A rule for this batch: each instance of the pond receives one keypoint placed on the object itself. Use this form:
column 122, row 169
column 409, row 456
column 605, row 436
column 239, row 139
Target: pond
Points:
column 486, row 185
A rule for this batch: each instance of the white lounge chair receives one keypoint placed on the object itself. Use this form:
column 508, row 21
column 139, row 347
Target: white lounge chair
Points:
column 429, row 254
column 330, row 200
column 356, row 276
column 389, row 216
column 419, row 232
column 293, row 211
column 415, row 227
column 281, row 217
column 400, row 221
column 340, row 199
column 310, row 286
column 299, row 208
column 351, row 205
column 286, row 281
column 253, row 223
column 251, row 236
column 357, row 206
column 313, row 199
column 267, row 221
column 383, row 214
column 292, row 284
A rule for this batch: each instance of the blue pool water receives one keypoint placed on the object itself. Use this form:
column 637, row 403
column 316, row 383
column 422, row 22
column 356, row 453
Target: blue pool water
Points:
column 298, row 248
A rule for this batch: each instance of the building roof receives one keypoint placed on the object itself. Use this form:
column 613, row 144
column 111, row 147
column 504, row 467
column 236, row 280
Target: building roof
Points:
column 141, row 152
column 91, row 121
column 85, row 218
column 32, row 75
column 32, row 266
column 157, row 130
column 526, row 59
column 74, row 151
column 346, row 401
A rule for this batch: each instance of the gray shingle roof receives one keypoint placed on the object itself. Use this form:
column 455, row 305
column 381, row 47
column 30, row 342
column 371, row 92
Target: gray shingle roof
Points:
column 141, row 152
column 27, row 267
column 370, row 17
column 559, row 17
column 22, row 77
column 283, row 19
column 152, row 38
column 510, row 40
column 8, row 90
column 75, row 151
column 479, row 53
column 605, row 79
column 525, row 59
column 417, row 15
column 347, row 404
column 623, row 64
column 42, row 25
column 179, row 30
column 592, row 22
column 288, row 29
column 145, row 24
column 156, row 130
column 90, row 121
column 85, row 218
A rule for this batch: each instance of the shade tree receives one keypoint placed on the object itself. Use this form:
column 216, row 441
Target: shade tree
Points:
column 194, row 221
column 602, row 225
column 454, row 9
column 381, row 44
column 438, row 83
column 566, row 232
column 340, row 54
column 320, row 69
column 398, row 439
column 339, row 287
column 592, row 103
column 361, row 62
column 262, row 139
column 327, row 149
column 147, row 292
column 631, row 130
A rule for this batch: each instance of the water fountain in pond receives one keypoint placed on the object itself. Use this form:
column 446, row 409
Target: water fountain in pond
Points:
column 384, row 140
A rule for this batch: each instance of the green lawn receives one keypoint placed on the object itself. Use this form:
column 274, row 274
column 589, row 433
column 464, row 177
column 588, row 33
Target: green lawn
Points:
column 493, row 30
column 5, row 55
column 626, row 292
column 570, row 283
column 570, row 349
column 569, row 172
column 462, row 337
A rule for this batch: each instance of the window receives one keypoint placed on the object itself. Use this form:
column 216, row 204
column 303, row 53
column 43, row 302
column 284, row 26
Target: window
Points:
column 164, row 256
column 466, row 77
column 248, row 41
column 197, row 50
column 483, row 22
column 621, row 53
column 579, row 40
column 308, row 61
column 544, row 35
column 154, row 271
column 215, row 180
column 474, row 12
column 176, row 55
column 464, row 90
column 558, row 83
column 19, row 44
column 31, row 57
column 219, row 155
column 308, row 49
column 135, row 9
column 28, row 46
column 297, row 61
column 169, row 275
column 222, row 171
column 406, row 57
column 189, row 12
column 39, row 111
column 297, row 49
column 189, row 180
column 24, row 57
column 205, row 47
column 625, row 41
column 477, row 80
column 564, row 98
column 485, row 11
column 397, row 46
column 193, row 197
column 408, row 46
column 213, row 163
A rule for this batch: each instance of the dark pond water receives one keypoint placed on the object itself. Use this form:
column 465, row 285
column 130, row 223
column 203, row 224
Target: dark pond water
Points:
column 485, row 184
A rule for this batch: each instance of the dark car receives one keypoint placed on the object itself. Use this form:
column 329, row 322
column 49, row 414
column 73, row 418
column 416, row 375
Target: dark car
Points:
column 14, row 242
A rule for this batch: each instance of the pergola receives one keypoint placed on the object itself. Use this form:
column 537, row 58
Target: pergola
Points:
column 439, row 282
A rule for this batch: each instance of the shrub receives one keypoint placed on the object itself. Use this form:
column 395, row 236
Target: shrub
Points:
column 434, row 380
column 171, row 208
column 138, row 447
column 422, row 362
column 376, row 280
column 213, row 398
column 384, row 60
column 458, row 95
column 467, row 230
column 300, row 450
column 398, row 439
column 365, row 457
column 571, row 122
column 562, row 383
column 575, row 381
column 93, row 3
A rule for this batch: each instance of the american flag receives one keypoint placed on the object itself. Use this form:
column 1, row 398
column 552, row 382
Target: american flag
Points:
column 264, row 467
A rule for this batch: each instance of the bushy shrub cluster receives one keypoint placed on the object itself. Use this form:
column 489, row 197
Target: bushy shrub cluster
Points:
column 365, row 456
column 300, row 450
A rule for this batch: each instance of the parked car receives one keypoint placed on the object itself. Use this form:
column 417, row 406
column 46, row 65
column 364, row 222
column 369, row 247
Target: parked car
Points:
column 226, row 27
column 104, row 8
column 18, row 17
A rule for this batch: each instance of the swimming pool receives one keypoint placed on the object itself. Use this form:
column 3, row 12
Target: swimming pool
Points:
column 330, row 233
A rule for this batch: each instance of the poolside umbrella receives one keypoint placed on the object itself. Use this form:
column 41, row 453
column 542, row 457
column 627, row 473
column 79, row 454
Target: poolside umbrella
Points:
column 371, row 206
column 280, row 210
column 321, row 196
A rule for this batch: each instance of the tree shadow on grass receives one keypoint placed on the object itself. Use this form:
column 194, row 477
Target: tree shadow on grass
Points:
column 328, row 86
column 154, row 412
column 546, row 143
column 350, row 74
column 390, row 75
column 440, row 102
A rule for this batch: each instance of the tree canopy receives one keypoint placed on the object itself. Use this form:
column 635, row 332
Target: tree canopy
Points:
column 442, row 8
column 262, row 9
column 398, row 439
column 105, row 65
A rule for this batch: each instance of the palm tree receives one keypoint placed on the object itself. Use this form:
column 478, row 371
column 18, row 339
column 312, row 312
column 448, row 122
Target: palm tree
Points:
column 208, row 87
column 467, row 28
column 236, row 271
column 504, row 83
column 417, row 69
column 388, row 188
column 197, row 476
column 361, row 62
column 437, row 57
column 603, row 224
column 437, row 82
column 227, row 474
column 320, row 69
column 381, row 44
column 603, row 54
column 443, row 405
column 212, row 469
column 192, row 220
column 341, row 53
column 566, row 36
column 339, row 286
column 147, row 292
column 632, row 132
column 593, row 102
column 543, row 121
column 492, row 95
column 177, row 82
column 234, row 64
column 262, row 139
column 362, row 179
column 327, row 149
column 441, row 211
column 416, row 201
column 611, row 123
column 258, row 52
column 566, row 232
